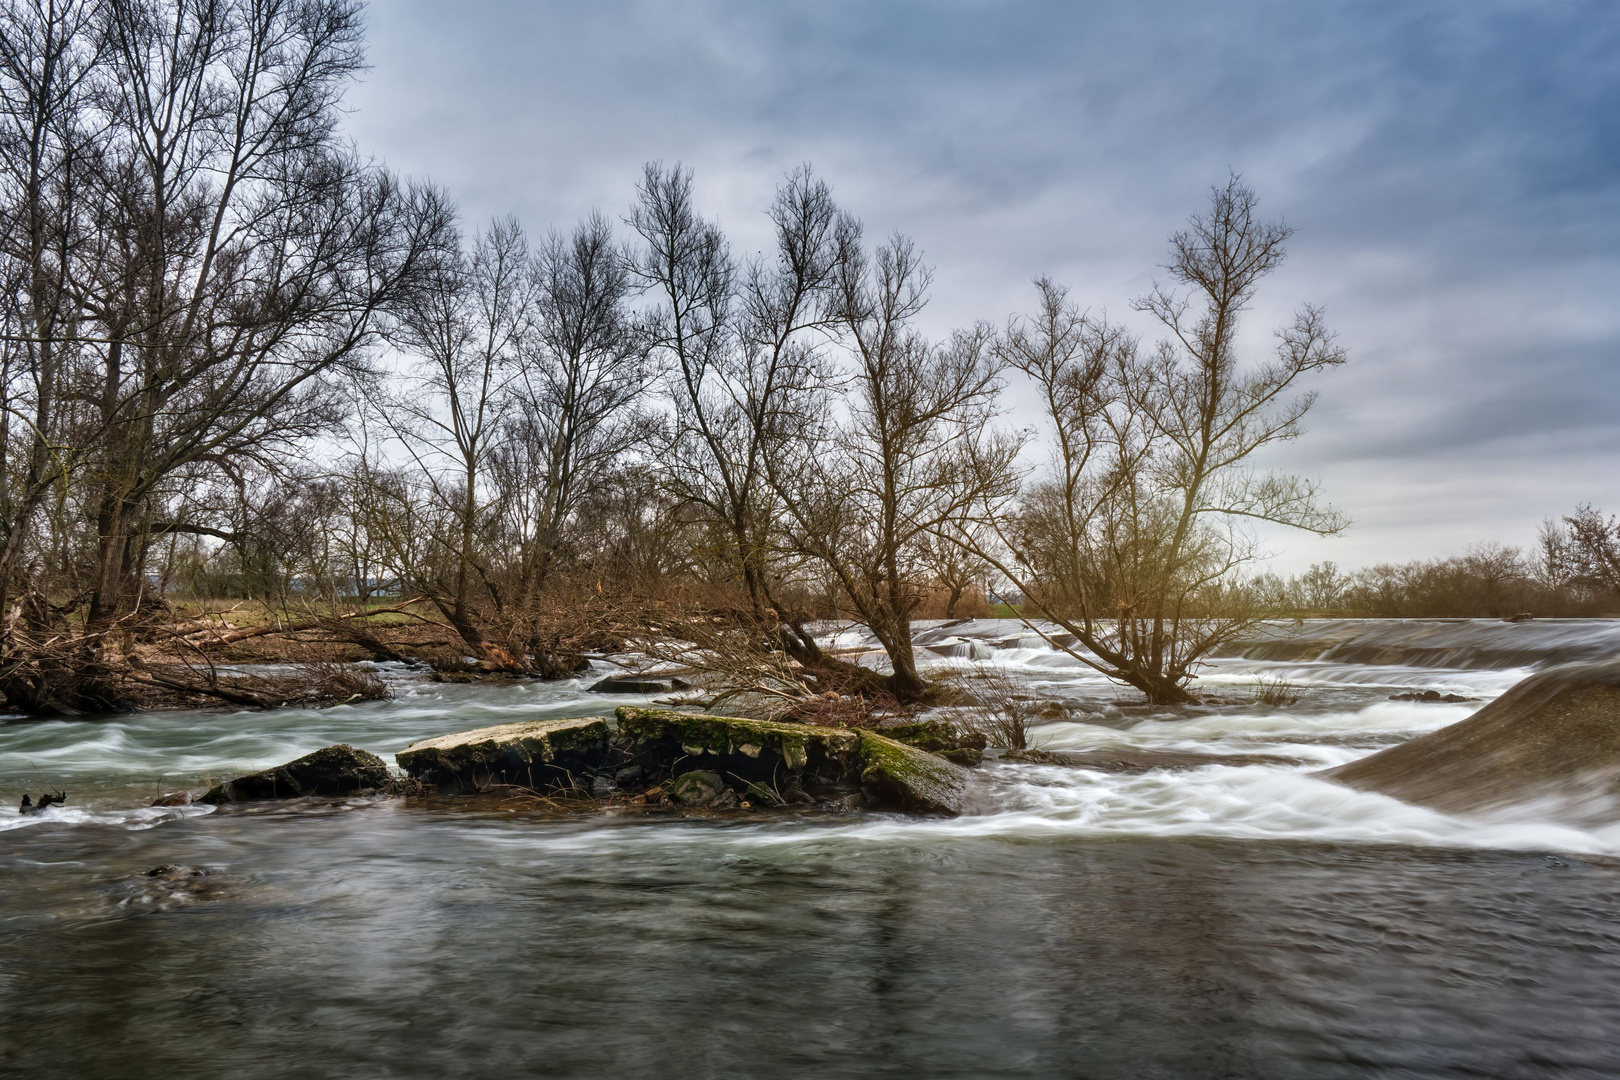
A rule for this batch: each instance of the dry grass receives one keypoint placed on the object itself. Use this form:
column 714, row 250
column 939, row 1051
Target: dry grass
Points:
column 1007, row 712
column 1274, row 692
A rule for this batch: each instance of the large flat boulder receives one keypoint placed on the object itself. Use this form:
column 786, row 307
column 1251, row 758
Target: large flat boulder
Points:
column 754, row 749
column 533, row 753
column 1553, row 739
column 896, row 775
column 333, row 770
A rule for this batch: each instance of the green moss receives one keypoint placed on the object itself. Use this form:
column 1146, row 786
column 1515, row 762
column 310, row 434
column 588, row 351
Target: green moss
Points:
column 722, row 736
column 936, row 735
column 897, row 774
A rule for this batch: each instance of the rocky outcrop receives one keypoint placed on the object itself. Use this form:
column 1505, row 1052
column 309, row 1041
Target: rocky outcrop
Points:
column 533, row 753
column 1552, row 739
column 655, row 759
column 334, row 770
column 46, row 801
column 767, row 763
column 900, row 776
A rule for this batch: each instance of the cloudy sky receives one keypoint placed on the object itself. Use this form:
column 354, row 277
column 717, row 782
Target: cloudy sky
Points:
column 1452, row 168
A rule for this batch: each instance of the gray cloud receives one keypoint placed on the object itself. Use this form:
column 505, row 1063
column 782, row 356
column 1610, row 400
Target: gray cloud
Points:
column 1453, row 170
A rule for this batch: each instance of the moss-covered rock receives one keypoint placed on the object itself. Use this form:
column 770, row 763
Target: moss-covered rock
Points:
column 950, row 741
column 333, row 770
column 752, row 749
column 935, row 735
column 533, row 753
column 897, row 775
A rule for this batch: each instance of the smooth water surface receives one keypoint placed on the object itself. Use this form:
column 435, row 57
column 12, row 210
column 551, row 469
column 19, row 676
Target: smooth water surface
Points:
column 1245, row 921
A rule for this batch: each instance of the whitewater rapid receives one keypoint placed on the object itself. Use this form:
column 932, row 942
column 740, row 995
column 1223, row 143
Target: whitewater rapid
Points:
column 113, row 767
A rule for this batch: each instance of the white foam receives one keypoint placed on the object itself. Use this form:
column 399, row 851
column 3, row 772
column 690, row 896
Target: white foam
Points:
column 143, row 817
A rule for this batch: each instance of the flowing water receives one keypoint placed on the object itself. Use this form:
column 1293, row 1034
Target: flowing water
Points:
column 1228, row 921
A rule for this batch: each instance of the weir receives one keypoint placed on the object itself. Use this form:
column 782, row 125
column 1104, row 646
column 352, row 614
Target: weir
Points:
column 1468, row 644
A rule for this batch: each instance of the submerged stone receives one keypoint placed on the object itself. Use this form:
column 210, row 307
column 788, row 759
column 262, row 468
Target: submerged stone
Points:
column 1429, row 695
column 637, row 684
column 896, row 775
column 174, row 884
column 698, row 788
column 1554, row 739
column 532, row 753
column 334, row 770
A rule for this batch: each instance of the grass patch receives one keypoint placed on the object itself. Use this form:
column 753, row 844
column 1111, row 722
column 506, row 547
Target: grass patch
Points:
column 1274, row 692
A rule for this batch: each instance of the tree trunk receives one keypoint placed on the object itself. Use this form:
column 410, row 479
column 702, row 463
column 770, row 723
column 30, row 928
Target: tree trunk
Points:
column 905, row 684
column 1160, row 689
column 106, row 603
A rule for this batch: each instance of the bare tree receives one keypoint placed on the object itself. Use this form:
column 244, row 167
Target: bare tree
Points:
column 1322, row 587
column 741, row 356
column 1135, row 541
column 49, row 54
column 954, row 566
column 466, row 336
column 878, row 470
column 193, row 254
column 574, row 414
column 248, row 251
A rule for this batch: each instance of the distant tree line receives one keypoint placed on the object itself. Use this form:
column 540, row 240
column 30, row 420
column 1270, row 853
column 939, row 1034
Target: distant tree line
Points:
column 1573, row 571
column 239, row 358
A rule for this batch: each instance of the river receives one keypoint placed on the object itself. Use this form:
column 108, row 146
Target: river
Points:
column 1229, row 921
